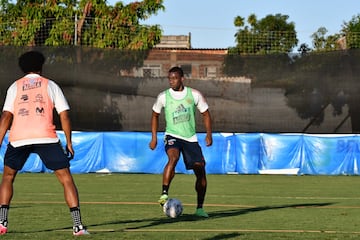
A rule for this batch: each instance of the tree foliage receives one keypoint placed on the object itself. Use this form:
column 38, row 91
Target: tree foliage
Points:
column 272, row 34
column 351, row 31
column 321, row 42
column 348, row 38
column 87, row 22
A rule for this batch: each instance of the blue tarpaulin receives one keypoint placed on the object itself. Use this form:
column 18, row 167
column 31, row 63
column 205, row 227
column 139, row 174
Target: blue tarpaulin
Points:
column 235, row 153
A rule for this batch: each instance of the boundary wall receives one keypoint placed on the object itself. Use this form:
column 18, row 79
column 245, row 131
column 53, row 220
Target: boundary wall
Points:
column 231, row 153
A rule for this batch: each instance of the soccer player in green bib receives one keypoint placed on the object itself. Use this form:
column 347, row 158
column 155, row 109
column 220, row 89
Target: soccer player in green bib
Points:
column 179, row 103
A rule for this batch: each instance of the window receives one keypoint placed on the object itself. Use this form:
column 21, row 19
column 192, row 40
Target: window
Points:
column 151, row 70
column 210, row 72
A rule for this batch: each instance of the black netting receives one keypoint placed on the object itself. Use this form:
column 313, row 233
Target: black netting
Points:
column 314, row 93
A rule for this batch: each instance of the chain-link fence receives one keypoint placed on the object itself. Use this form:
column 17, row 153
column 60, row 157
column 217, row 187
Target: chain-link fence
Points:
column 67, row 31
column 104, row 33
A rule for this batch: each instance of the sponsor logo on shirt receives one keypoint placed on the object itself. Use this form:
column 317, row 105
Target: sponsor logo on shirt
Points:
column 31, row 84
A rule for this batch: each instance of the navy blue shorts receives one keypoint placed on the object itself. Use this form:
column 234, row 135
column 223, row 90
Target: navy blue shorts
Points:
column 51, row 154
column 191, row 151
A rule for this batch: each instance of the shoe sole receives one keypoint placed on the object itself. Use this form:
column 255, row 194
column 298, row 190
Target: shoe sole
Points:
column 3, row 230
column 162, row 202
column 81, row 232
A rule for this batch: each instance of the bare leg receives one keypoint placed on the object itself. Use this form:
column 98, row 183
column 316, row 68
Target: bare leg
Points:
column 6, row 186
column 6, row 194
column 72, row 199
column 169, row 170
column 201, row 183
column 70, row 190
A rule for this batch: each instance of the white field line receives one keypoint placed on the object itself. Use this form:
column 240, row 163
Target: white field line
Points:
column 217, row 230
column 206, row 205
column 243, row 230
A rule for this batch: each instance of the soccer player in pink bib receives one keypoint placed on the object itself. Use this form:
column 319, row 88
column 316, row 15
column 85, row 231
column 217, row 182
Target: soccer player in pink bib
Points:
column 28, row 111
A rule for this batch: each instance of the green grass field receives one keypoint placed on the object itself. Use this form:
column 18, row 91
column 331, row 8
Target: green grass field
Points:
column 124, row 206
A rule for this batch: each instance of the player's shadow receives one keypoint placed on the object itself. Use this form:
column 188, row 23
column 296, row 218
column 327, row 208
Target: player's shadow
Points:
column 224, row 214
column 224, row 236
column 242, row 211
column 152, row 222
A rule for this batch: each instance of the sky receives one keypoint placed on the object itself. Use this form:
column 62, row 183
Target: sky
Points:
column 211, row 22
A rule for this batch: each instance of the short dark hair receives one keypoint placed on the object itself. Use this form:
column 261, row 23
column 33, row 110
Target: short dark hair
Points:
column 178, row 70
column 31, row 61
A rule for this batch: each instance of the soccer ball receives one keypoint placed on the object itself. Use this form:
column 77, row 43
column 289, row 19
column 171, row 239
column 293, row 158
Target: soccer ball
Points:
column 173, row 208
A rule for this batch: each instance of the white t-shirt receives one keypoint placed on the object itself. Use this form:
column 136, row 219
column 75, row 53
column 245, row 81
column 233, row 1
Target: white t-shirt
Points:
column 54, row 91
column 199, row 101
column 55, row 94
